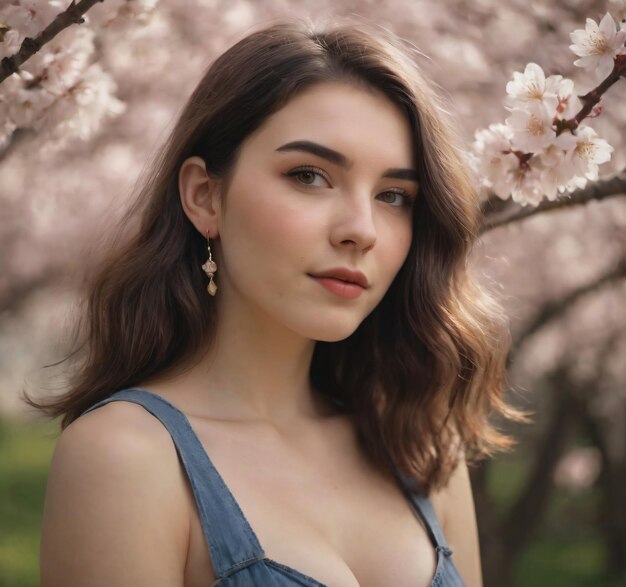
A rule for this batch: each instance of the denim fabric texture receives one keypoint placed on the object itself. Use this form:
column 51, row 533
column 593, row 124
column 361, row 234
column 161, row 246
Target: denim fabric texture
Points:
column 237, row 557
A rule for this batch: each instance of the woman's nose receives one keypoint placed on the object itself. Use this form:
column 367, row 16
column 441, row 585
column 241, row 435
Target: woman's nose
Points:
column 353, row 222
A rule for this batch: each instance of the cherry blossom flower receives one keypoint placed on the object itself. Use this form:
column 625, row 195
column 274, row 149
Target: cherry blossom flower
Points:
column 29, row 17
column 63, row 62
column 11, row 43
column 502, row 171
column 557, row 169
column 589, row 152
column 525, row 184
column 83, row 110
column 495, row 160
column 555, row 92
column 531, row 87
column 532, row 127
column 24, row 106
column 598, row 45
column 569, row 103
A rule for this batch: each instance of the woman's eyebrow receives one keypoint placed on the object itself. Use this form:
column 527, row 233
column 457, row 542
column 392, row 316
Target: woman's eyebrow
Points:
column 341, row 160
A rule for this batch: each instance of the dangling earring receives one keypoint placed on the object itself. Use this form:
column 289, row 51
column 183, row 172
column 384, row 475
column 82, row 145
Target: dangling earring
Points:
column 210, row 267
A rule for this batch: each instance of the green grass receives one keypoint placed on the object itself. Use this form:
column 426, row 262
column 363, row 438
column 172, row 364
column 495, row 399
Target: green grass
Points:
column 572, row 561
column 25, row 453
column 567, row 550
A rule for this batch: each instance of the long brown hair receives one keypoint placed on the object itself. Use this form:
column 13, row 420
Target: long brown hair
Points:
column 424, row 372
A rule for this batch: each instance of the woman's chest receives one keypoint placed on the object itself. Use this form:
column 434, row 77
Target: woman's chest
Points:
column 376, row 556
column 328, row 515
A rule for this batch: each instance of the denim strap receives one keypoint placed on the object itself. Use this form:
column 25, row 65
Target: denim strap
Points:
column 231, row 541
column 424, row 508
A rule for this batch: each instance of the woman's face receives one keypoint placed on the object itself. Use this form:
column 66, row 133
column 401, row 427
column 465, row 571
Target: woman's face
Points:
column 326, row 182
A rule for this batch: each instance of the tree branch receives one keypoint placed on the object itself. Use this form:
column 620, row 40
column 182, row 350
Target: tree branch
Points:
column 556, row 308
column 72, row 15
column 592, row 98
column 498, row 213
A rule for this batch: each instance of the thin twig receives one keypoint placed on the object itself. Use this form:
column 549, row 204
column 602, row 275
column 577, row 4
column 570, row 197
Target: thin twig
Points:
column 72, row 15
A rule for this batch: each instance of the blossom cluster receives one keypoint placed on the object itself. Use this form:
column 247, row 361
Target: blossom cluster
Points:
column 542, row 149
column 61, row 92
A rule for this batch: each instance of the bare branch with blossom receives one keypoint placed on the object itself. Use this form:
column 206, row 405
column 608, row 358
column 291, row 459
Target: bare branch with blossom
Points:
column 72, row 15
column 53, row 84
column 592, row 98
column 543, row 150
column 497, row 212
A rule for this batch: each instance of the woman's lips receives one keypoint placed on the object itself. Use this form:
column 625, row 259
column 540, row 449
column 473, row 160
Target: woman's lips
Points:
column 339, row 287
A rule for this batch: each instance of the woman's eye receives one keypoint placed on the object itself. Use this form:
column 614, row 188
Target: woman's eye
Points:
column 316, row 177
column 308, row 176
column 400, row 198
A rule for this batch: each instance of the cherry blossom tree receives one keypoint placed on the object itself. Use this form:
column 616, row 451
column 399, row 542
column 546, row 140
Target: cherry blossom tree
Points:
column 52, row 85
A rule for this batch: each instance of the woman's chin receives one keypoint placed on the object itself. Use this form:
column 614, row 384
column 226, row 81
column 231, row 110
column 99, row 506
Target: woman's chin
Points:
column 333, row 333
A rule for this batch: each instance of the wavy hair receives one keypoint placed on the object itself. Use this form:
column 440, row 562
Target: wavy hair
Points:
column 423, row 374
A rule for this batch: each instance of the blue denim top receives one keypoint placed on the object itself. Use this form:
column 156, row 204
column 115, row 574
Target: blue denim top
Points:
column 237, row 557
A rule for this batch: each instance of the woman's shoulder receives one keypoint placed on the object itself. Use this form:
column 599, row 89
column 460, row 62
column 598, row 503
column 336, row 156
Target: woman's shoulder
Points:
column 122, row 423
column 120, row 434
column 113, row 486
column 121, row 446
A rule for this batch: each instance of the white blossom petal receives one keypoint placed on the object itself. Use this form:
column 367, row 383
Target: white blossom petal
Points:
column 532, row 128
column 531, row 87
column 598, row 45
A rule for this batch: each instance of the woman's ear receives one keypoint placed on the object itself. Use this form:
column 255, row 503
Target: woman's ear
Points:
column 200, row 196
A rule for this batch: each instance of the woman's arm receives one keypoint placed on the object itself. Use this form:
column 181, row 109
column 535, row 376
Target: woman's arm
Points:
column 115, row 510
column 459, row 525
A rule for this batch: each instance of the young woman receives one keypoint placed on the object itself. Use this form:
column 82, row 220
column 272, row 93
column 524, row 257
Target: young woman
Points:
column 309, row 419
